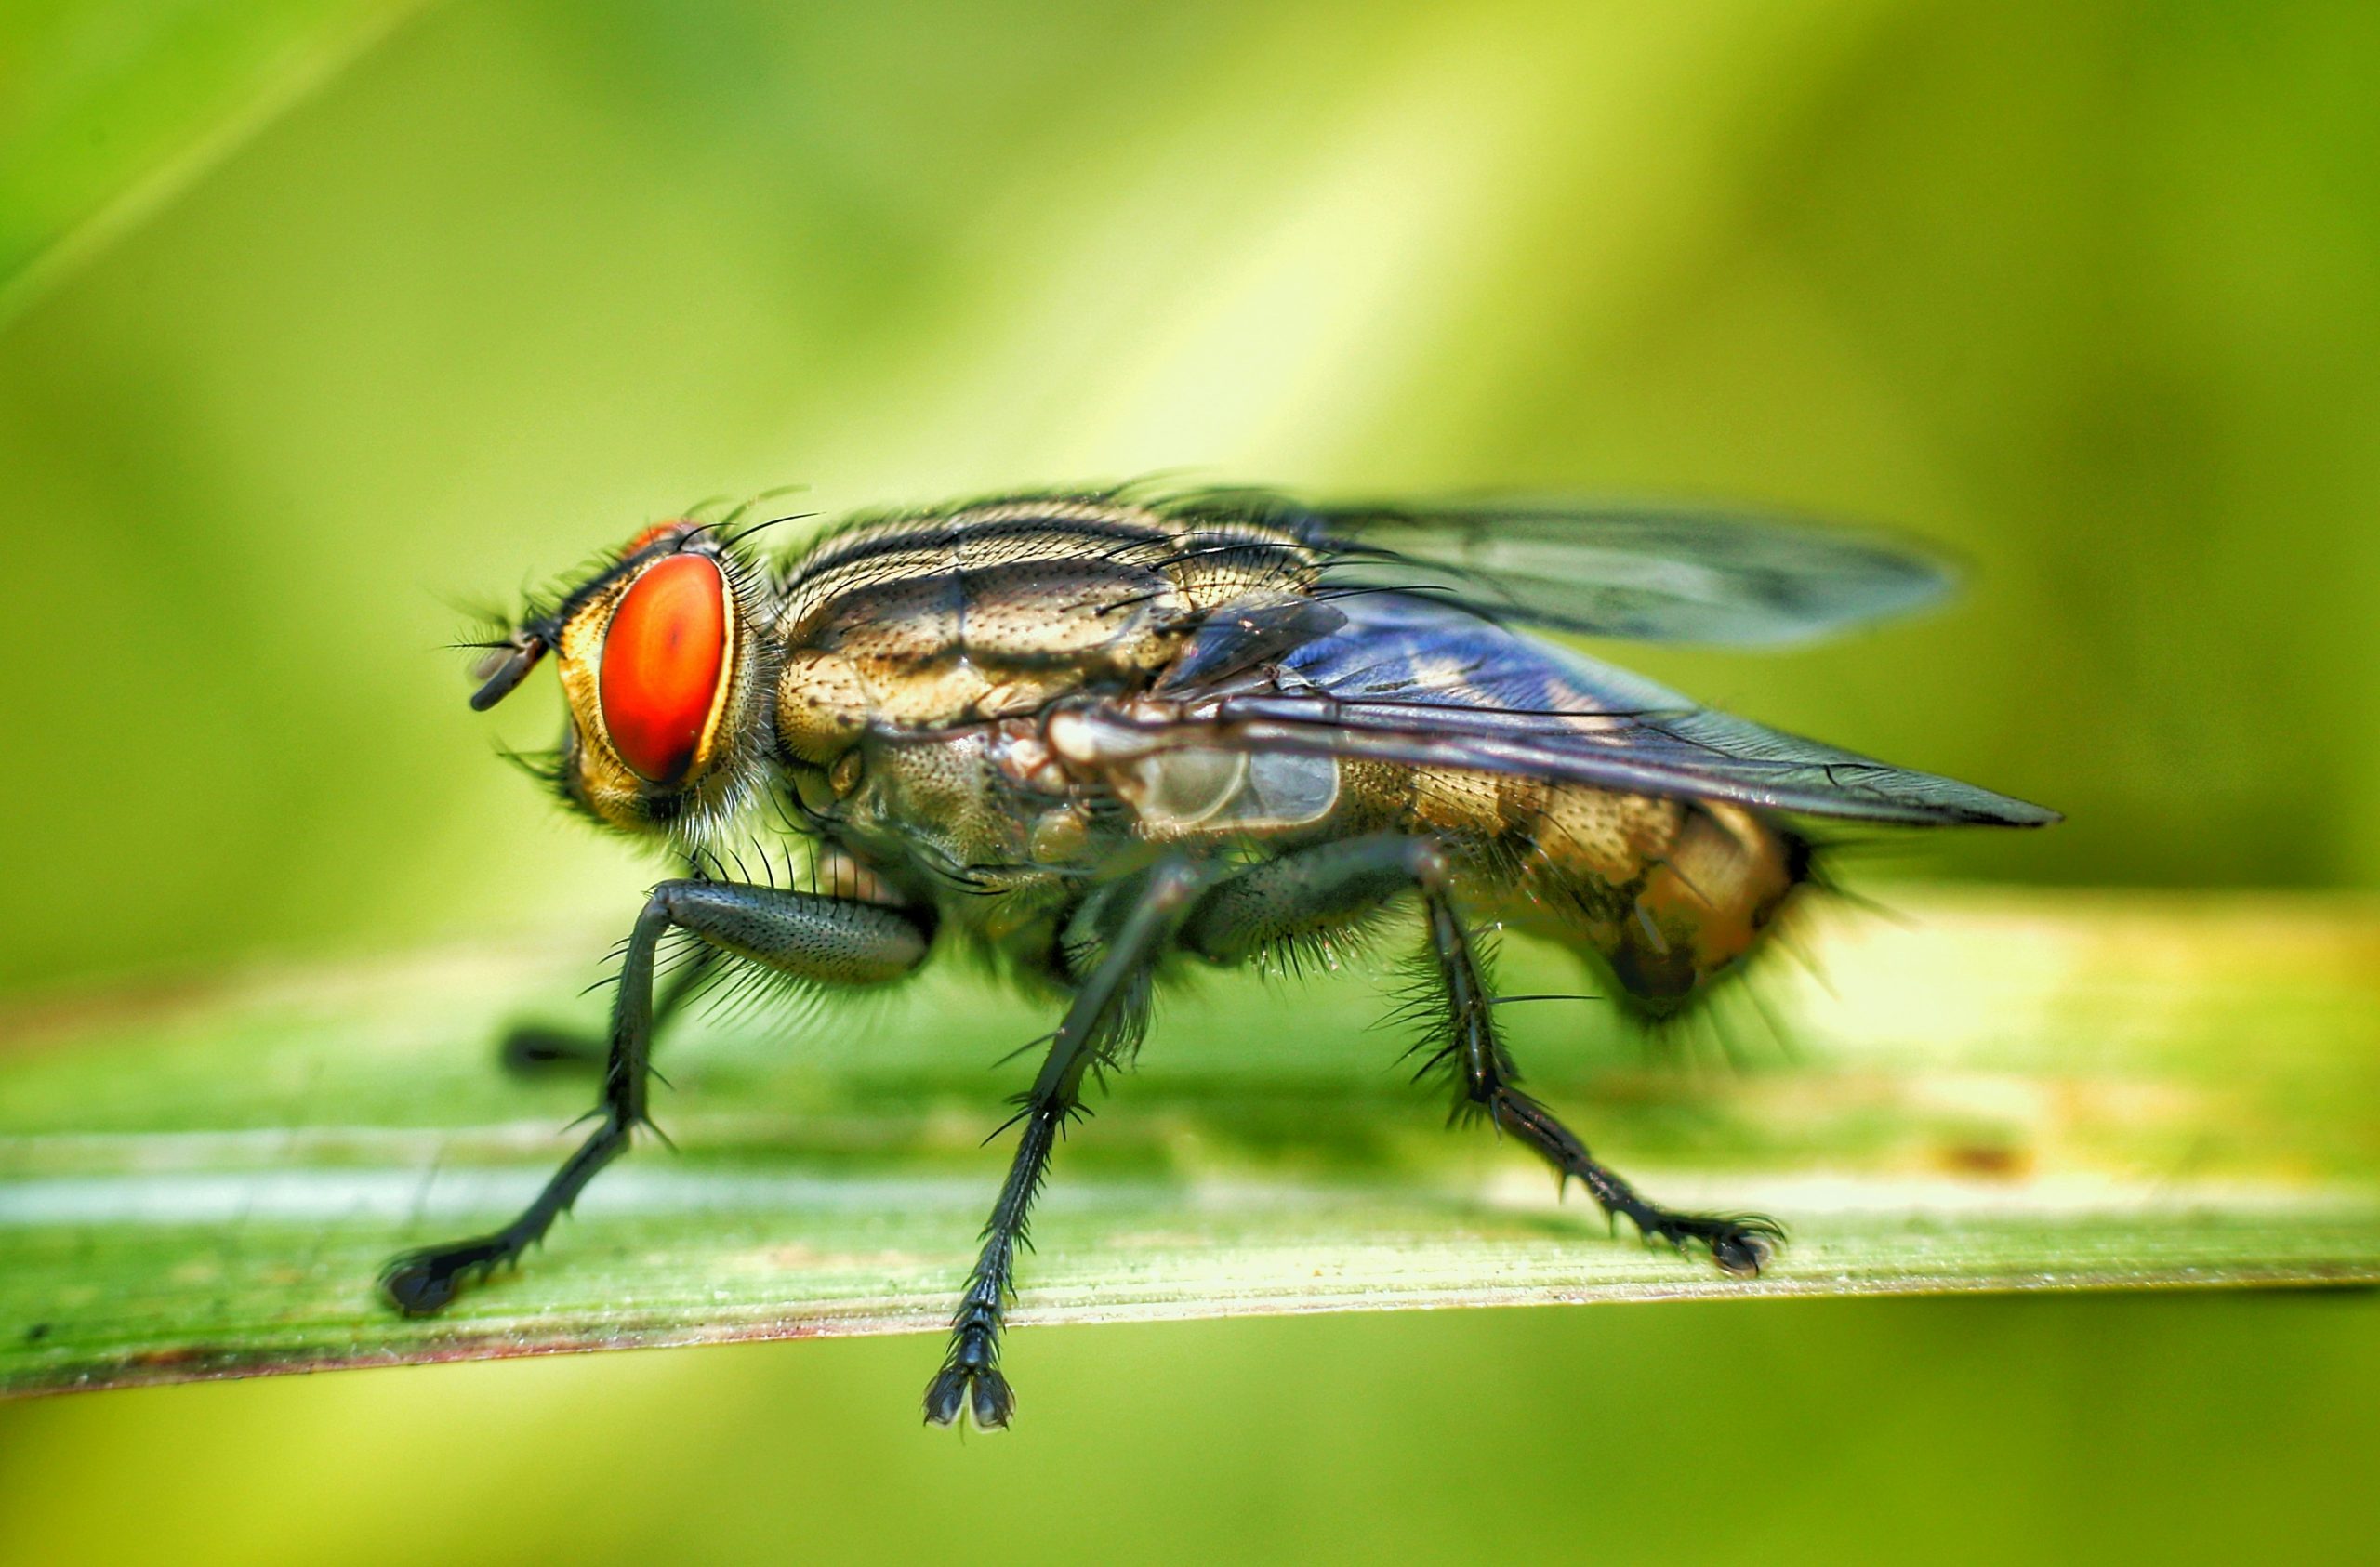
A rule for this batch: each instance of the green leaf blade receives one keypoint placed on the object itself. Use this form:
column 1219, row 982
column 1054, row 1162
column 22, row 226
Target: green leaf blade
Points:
column 2013, row 1093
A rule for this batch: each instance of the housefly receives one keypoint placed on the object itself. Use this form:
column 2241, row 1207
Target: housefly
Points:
column 1108, row 736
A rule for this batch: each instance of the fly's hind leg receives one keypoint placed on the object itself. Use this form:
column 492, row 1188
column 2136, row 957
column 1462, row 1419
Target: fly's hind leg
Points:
column 830, row 941
column 1282, row 902
column 1740, row 1243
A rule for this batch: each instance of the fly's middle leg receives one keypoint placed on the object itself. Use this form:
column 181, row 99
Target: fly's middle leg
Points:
column 830, row 941
column 969, row 1381
column 1309, row 895
column 1299, row 896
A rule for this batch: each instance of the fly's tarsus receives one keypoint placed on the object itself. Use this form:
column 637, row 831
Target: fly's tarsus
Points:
column 424, row 1281
column 980, row 1394
column 1741, row 1244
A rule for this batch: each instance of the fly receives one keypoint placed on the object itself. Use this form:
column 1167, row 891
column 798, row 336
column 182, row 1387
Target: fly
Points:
column 1110, row 735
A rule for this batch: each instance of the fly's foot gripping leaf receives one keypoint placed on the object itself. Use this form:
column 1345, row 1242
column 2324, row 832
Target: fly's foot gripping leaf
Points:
column 421, row 1284
column 1741, row 1244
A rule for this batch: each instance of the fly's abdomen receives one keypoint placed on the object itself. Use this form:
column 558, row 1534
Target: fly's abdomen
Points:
column 1667, row 894
column 1705, row 903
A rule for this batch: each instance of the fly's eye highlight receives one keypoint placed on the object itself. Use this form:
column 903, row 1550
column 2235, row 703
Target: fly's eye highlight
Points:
column 664, row 656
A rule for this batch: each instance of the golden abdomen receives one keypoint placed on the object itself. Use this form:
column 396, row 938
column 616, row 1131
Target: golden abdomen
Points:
column 1666, row 894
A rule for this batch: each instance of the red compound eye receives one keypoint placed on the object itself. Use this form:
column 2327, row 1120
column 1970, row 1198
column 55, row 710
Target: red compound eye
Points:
column 662, row 660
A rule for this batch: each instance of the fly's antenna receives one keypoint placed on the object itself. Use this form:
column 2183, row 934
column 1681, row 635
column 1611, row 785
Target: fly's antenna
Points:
column 508, row 664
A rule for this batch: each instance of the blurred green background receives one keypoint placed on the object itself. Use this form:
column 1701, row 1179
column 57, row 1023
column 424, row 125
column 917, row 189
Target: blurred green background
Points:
column 319, row 315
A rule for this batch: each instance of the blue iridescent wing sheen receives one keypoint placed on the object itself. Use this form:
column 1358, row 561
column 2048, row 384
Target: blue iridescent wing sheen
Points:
column 1412, row 681
column 1638, row 572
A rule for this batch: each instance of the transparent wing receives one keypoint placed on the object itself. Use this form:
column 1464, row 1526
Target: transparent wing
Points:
column 1643, row 573
column 1410, row 681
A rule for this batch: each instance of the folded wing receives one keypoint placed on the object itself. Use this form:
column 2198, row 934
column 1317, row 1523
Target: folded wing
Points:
column 1410, row 681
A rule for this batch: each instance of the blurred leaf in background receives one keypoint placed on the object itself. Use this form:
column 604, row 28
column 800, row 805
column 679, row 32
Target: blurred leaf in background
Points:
column 110, row 110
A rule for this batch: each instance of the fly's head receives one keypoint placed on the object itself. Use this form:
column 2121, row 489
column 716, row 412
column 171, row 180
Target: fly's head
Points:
column 663, row 659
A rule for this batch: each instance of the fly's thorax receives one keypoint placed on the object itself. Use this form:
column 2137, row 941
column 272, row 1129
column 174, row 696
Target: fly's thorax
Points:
column 962, row 788
column 823, row 706
column 664, row 665
column 964, row 632
column 927, row 623
column 949, row 804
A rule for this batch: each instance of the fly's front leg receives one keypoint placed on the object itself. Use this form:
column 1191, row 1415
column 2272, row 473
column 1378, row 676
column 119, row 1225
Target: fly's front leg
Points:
column 830, row 941
column 534, row 1050
column 1280, row 902
column 969, row 1381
